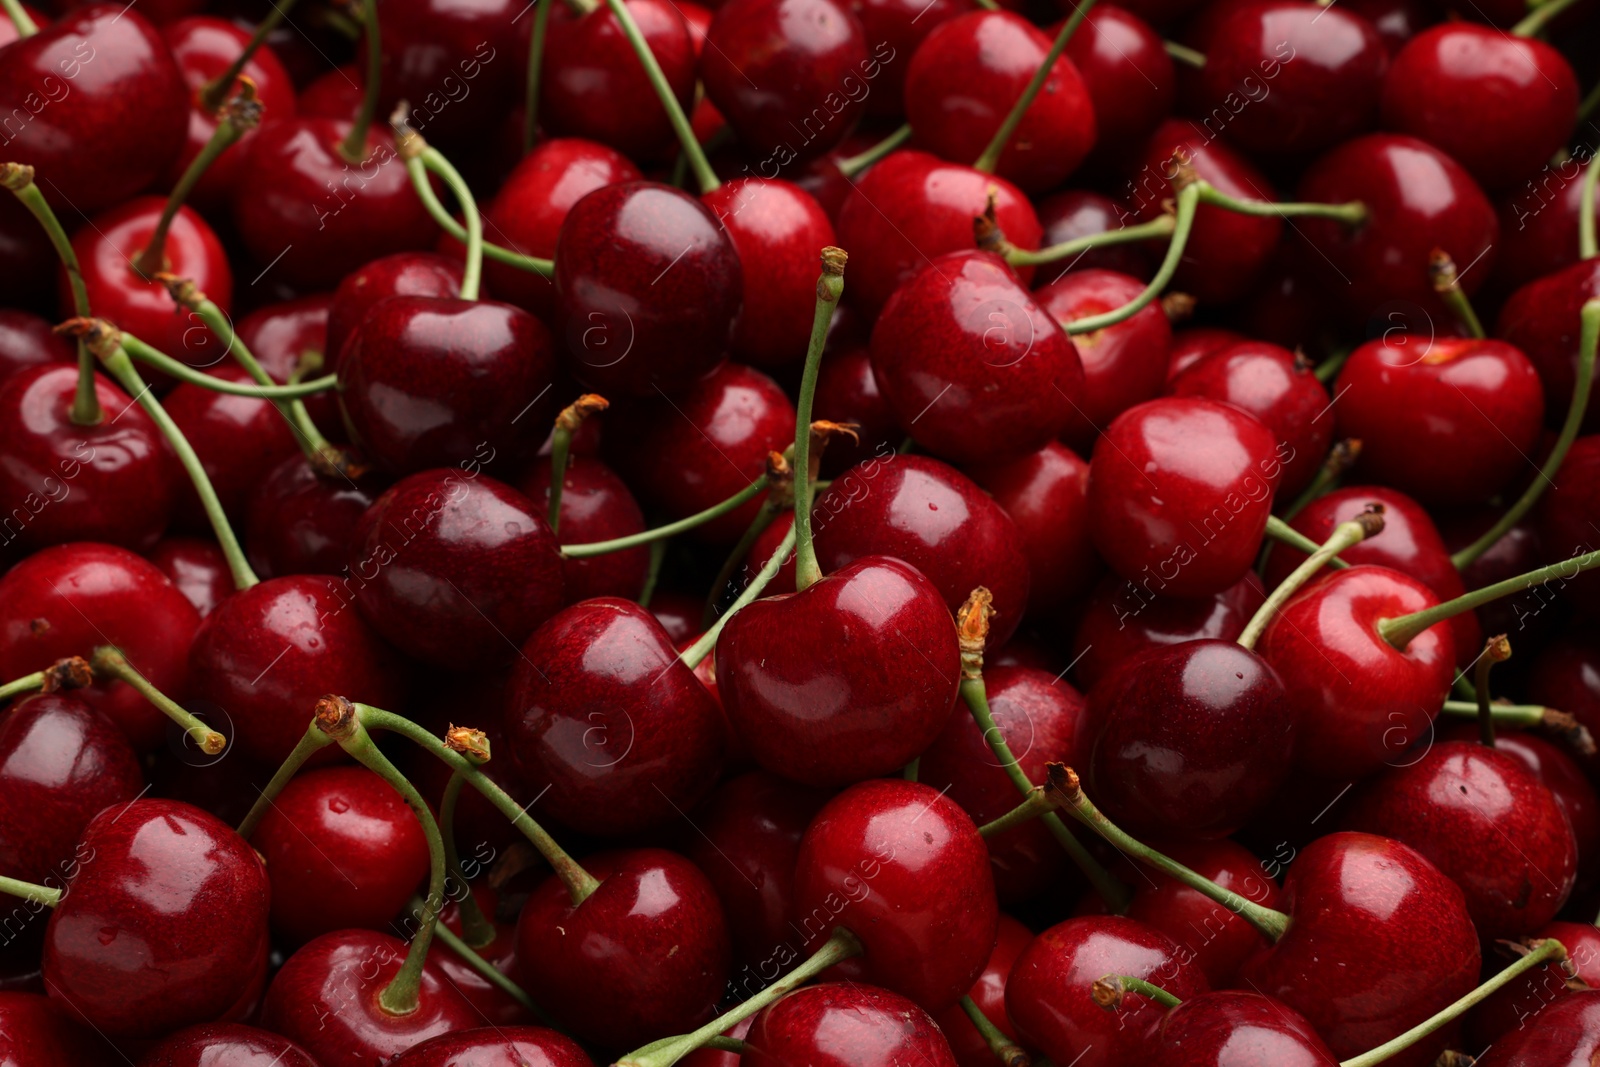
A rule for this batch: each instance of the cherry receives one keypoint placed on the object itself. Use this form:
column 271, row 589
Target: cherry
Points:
column 1047, row 995
column 495, row 1046
column 1566, row 511
column 989, row 994
column 1046, row 495
column 1039, row 716
column 1194, row 343
column 596, row 505
column 1179, row 493
column 279, row 334
column 300, row 521
column 902, row 867
column 1075, row 213
column 1569, row 1030
column 325, row 999
column 1516, row 1006
column 495, row 1005
column 1566, row 675
column 1397, row 21
column 643, row 956
column 896, row 28
column 239, row 439
column 26, row 342
column 845, row 1024
column 197, row 567
column 34, row 1030
column 1123, row 364
column 232, row 1043
column 649, row 285
column 678, row 613
column 603, row 713
column 400, row 274
column 1541, row 319
column 67, row 600
column 1122, row 619
column 1539, row 228
column 334, row 94
column 1277, row 387
column 113, row 92
column 847, row 391
column 114, row 482
column 1518, row 94
column 963, row 81
column 444, row 60
column 1129, row 77
column 164, row 923
column 1214, row 1029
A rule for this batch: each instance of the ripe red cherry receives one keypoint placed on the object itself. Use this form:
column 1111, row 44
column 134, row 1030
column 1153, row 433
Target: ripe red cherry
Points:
column 1541, row 319
column 197, row 567
column 596, row 505
column 845, row 1024
column 138, row 956
column 1046, row 494
column 34, row 1030
column 1123, row 618
column 1075, row 213
column 1194, row 343
column 400, row 274
column 26, row 341
column 299, row 521
column 1179, row 493
column 495, row 1046
column 1539, row 228
column 989, row 994
column 649, row 284
column 279, row 334
column 497, row 1007
column 1211, row 1030
column 1518, row 94
column 896, row 28
column 1516, row 1006
column 1566, row 511
column 644, row 956
column 1566, row 675
column 963, row 81
column 1129, row 76
column 239, row 439
column 1568, row 1031
column 445, row 61
column 232, row 1043
column 113, row 92
column 67, row 600
column 1047, row 995
column 903, row 868
column 847, row 391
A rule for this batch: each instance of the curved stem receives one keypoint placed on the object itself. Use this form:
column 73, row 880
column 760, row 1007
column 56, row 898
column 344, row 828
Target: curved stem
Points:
column 1004, row 1049
column 489, row 971
column 1344, row 535
column 671, row 529
column 313, row 741
column 1185, row 55
column 1540, row 17
column 158, row 360
column 1279, row 530
column 1400, row 631
column 1329, row 369
column 1577, row 407
column 472, row 272
column 1588, row 246
column 855, row 164
column 447, row 222
column 1069, row 794
column 1183, row 222
column 774, row 505
column 1108, row 991
column 1036, row 804
column 1351, row 213
column 20, row 18
column 830, row 285
column 39, row 894
column 354, row 146
column 1446, row 283
column 530, row 98
column 1160, row 226
column 216, row 90
column 658, row 81
column 108, row 662
column 708, row 640
column 567, row 423
column 652, row 574
column 1495, row 650
column 476, row 928
column 990, row 158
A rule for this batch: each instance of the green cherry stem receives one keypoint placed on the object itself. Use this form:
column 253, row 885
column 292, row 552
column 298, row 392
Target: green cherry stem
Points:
column 1351, row 213
column 20, row 18
column 1185, row 55
column 1447, row 284
column 652, row 574
column 354, row 146
column 708, row 641
column 159, row 360
column 687, row 142
column 780, row 477
column 1279, row 530
column 476, row 928
column 530, row 96
column 1399, row 631
column 830, row 286
column 1559, row 724
column 988, row 5
column 39, row 894
column 472, row 271
column 567, row 424
column 1588, row 245
column 1004, row 1049
column 671, row 529
column 1188, row 200
column 1536, row 20
column 1495, row 650
column 1109, row 991
column 314, row 740
column 1160, row 226
column 1341, row 457
column 489, row 971
column 1365, row 525
column 1070, row 796
column 855, row 164
column 216, row 90
column 990, row 159
column 1329, row 369
column 1588, row 340
column 72, row 672
column 912, row 770
column 19, row 179
column 109, row 662
column 1036, row 804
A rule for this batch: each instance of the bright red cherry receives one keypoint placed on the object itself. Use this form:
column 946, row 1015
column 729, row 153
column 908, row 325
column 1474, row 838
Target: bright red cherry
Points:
column 197, row 567
column 596, row 505
column 1217, row 1029
column 279, row 334
column 989, row 994
column 445, row 61
column 1046, row 494
column 26, row 342
column 400, row 274
column 231, row 1043
column 1192, row 344
column 1129, row 76
column 847, row 391
column 1075, row 213
column 1539, row 228
column 845, row 1024
column 1541, row 319
column 1516, row 1006
column 301, row 521
column 896, row 28
column 1568, row 1032
column 496, row 1046
column 239, row 439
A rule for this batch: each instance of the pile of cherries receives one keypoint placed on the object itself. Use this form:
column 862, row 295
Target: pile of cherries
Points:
column 799, row 533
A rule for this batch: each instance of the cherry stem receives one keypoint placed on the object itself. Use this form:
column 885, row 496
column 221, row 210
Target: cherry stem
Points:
column 830, row 286
column 1351, row 213
column 1365, row 525
column 489, row 971
column 1185, row 55
column 1588, row 246
column 988, row 5
column 708, row 640
column 1536, row 20
column 472, row 271
column 39, row 894
column 1005, row 1050
column 780, row 477
column 158, row 360
column 1341, row 457
column 687, row 142
column 1447, row 284
column 354, row 146
column 1399, row 631
column 530, row 99
column 242, row 114
column 19, row 179
column 72, row 672
column 216, row 90
column 1160, row 226
column 855, row 164
column 1588, row 340
column 842, row 945
column 1187, row 201
column 567, row 424
column 1495, row 650
column 476, row 928
column 724, row 1043
column 20, row 18
column 106, row 343
column 1279, row 530
column 911, row 770
column 108, row 662
column 1562, row 725
column 1329, row 369
column 645, row 537
column 1547, row 950
column 1036, row 804
column 314, row 740
column 990, row 159
column 1069, row 795
column 652, row 574
column 1109, row 991
column 582, row 7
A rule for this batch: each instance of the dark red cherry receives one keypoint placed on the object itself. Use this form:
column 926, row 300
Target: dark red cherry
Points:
column 67, row 600
column 963, row 81
column 496, row 1046
column 902, row 867
column 1366, row 911
column 400, row 274
column 1075, row 213
column 164, row 923
column 334, row 94
column 299, row 521
column 114, row 482
column 97, row 106
column 1277, row 387
column 37, row 1032
column 239, row 439
column 644, row 956
column 912, row 207
column 1129, row 77
column 1179, row 493
column 197, row 567
column 894, row 29
column 26, row 342
column 1516, row 1007
column 1047, row 995
column 1567, row 1032
column 1217, row 1029
column 847, row 391
column 232, row 1043
column 1039, row 716
column 452, row 64
column 279, row 334
column 845, row 1024
column 1566, row 675
column 310, row 217
column 603, row 713
column 1565, row 517
column 1123, row 618
column 267, row 654
column 1517, row 95
column 1192, row 344
column 497, row 1007
column 989, row 994
column 1541, row 319
column 1046, row 494
column 325, row 999
column 1397, row 21
column 1539, row 227
column 596, row 505
column 649, row 285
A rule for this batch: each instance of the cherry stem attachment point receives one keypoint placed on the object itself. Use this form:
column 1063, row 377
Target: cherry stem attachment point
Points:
column 830, row 286
column 1108, row 992
column 314, row 740
column 853, row 165
column 567, row 423
column 708, row 640
column 72, row 672
column 1447, row 284
column 1588, row 245
column 20, row 18
column 109, row 662
column 687, row 143
column 1365, row 525
column 1329, row 369
column 1004, row 1049
column 1188, row 200
column 1399, row 631
column 1279, row 530
column 530, row 98
column 671, row 529
column 1037, row 803
column 1561, row 725
column 990, row 159
column 39, row 894
column 1495, row 650
column 354, row 147
column 217, row 89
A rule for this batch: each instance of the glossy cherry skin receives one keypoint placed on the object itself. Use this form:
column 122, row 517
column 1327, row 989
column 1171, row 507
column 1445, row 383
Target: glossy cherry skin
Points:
column 1567, row 676
column 1567, row 1033
column 1046, row 494
column 232, row 1043
column 1485, row 408
column 299, row 199
column 1517, row 1006
column 1488, row 823
column 912, row 207
column 1366, row 913
column 989, row 994
column 446, row 61
column 1518, row 94
column 164, row 923
column 400, row 274
column 1124, row 364
column 1039, row 716
column 26, row 342
column 847, row 391
column 301, row 522
column 644, row 956
column 845, row 1024
column 493, row 1004
column 267, row 654
column 1129, row 76
column 1074, row 213
column 902, row 867
column 895, row 28
column 197, row 567
column 1542, row 319
column 65, row 601
column 1565, row 515
column 279, row 334
column 603, row 711
column 496, row 1046
column 963, row 80
column 239, row 439
column 1229, row 1028
column 1047, row 995
column 1539, row 227
column 649, row 285
column 1194, row 343
column 127, row 103
column 1123, row 618
column 37, row 1032
column 1418, row 199
column 1276, row 387
column 114, row 482
column 596, row 505
column 1179, row 492
column 325, row 999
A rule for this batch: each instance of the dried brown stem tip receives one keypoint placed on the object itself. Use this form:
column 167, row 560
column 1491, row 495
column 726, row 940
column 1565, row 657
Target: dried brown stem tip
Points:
column 1178, row 307
column 183, row 291
column 779, row 471
column 1107, row 993
column 336, row 717
column 73, row 672
column 473, row 744
column 332, row 461
column 573, row 414
column 98, row 335
column 1343, row 456
column 16, row 176
column 1063, row 784
column 243, row 110
column 833, row 260
column 986, row 232
column 1566, row 726
column 408, row 143
column 1452, row 1058
column 1441, row 270
column 1183, row 172
column 1497, row 649
column 822, row 431
column 1370, row 520
column 972, row 623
